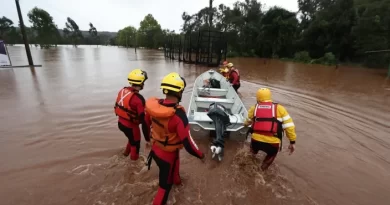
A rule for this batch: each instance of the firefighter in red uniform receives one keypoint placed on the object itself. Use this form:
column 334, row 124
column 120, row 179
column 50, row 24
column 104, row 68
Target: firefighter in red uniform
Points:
column 224, row 64
column 269, row 120
column 170, row 132
column 234, row 76
column 224, row 70
column 130, row 109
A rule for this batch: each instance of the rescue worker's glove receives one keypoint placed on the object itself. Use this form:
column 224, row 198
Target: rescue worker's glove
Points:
column 291, row 147
column 247, row 122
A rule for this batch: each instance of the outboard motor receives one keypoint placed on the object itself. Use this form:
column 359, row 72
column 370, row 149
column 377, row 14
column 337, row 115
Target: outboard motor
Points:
column 217, row 113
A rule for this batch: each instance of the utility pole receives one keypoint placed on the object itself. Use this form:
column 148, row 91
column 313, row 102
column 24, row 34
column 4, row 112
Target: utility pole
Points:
column 22, row 29
column 211, row 13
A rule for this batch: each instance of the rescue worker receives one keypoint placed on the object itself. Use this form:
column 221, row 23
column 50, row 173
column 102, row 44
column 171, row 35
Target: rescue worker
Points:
column 169, row 133
column 269, row 120
column 130, row 109
column 224, row 72
column 234, row 76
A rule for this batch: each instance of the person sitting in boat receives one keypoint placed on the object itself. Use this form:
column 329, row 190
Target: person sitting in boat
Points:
column 169, row 133
column 129, row 107
column 234, row 76
column 269, row 120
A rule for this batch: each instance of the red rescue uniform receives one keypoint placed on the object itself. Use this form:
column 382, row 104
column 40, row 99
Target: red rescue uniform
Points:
column 234, row 78
column 170, row 133
column 130, row 109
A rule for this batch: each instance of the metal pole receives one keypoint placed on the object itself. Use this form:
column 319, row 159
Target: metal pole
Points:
column 6, row 50
column 22, row 29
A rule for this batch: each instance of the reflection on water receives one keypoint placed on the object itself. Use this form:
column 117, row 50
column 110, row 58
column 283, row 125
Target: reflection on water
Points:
column 59, row 141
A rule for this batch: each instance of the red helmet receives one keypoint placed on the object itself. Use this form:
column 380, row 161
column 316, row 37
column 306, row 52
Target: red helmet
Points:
column 225, row 63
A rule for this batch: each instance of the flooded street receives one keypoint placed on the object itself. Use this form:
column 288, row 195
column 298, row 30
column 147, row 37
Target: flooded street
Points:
column 59, row 141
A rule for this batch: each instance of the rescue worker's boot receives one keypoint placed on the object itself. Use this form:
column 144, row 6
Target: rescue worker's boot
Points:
column 127, row 150
column 176, row 175
column 161, row 197
column 134, row 155
column 177, row 179
column 267, row 162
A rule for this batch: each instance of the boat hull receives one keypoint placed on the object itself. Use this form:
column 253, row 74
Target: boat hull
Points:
column 203, row 96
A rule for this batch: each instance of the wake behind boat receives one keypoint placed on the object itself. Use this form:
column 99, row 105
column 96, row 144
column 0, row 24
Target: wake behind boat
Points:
column 215, row 106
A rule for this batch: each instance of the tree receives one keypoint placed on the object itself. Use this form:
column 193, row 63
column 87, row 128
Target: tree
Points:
column 372, row 30
column 72, row 32
column 13, row 36
column 93, row 34
column 44, row 27
column 278, row 31
column 331, row 30
column 150, row 33
column 127, row 37
column 307, row 9
column 5, row 26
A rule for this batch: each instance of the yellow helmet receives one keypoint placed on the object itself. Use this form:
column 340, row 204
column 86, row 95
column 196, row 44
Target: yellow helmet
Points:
column 174, row 82
column 223, row 70
column 263, row 94
column 137, row 77
column 229, row 65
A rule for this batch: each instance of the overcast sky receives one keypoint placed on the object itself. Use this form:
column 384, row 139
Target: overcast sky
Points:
column 112, row 15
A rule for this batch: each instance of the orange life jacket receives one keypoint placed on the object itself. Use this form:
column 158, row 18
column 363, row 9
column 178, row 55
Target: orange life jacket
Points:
column 122, row 105
column 265, row 120
column 161, row 115
column 231, row 78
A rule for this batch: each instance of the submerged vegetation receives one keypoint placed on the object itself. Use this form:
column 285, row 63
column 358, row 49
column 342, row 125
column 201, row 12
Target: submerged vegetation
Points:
column 321, row 31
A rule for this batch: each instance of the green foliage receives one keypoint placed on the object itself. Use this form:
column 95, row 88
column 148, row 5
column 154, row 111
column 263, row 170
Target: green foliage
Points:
column 302, row 56
column 42, row 24
column 72, row 32
column 127, row 37
column 232, row 54
column 93, row 34
column 5, row 26
column 329, row 30
column 327, row 59
column 150, row 34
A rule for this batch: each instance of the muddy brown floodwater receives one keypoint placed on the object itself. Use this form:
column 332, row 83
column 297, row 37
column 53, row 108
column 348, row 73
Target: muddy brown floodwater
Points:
column 59, row 142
